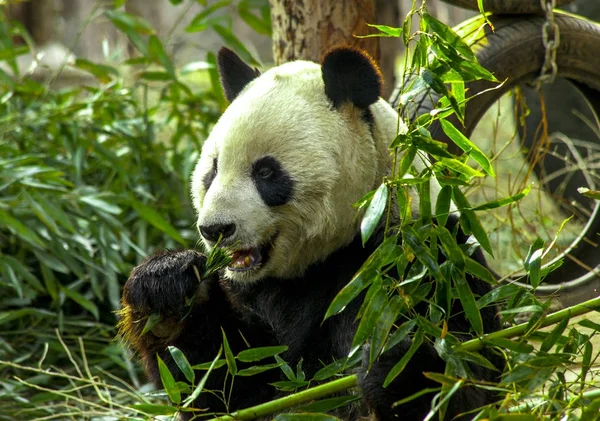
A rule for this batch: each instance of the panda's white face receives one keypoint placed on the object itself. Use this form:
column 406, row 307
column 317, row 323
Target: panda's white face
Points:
column 280, row 171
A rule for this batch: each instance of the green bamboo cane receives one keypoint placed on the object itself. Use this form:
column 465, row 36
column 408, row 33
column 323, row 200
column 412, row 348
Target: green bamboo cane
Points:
column 290, row 401
column 347, row 382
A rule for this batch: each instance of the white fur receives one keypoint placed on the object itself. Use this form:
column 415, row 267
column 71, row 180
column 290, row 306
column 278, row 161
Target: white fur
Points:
column 332, row 156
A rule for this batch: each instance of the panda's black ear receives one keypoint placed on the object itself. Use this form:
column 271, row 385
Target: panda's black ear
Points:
column 351, row 75
column 235, row 74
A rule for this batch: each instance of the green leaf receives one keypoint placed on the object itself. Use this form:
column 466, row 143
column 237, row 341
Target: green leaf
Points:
column 157, row 220
column 20, row 229
column 257, row 354
column 467, row 299
column 411, row 239
column 384, row 31
column 102, row 72
column 442, row 205
column 533, row 262
column 555, row 335
column 458, row 166
column 372, row 216
column 231, row 365
column 467, row 146
column 400, row 365
column 157, row 52
column 206, row 366
column 374, row 305
column 338, row 366
column 200, row 386
column 203, row 20
column 152, row 409
column 235, row 44
column 478, row 270
column 521, row 347
column 503, row 202
column 257, row 369
column 182, row 363
column 129, row 23
column 259, row 25
column 285, row 368
column 592, row 194
column 168, row 381
column 385, row 323
column 153, row 320
column 96, row 202
column 448, row 35
column 453, row 251
column 81, row 300
column 469, row 220
column 496, row 294
column 362, row 280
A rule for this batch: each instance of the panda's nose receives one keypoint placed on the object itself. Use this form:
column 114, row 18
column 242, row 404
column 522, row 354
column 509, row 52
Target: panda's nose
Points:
column 216, row 231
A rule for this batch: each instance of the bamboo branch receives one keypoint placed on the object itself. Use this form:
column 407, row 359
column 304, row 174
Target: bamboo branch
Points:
column 518, row 330
column 290, row 401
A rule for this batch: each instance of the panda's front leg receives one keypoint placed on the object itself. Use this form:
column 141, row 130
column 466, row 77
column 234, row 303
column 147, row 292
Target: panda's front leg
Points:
column 189, row 313
column 380, row 400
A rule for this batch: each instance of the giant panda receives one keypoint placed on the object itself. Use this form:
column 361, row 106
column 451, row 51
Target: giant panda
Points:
column 275, row 183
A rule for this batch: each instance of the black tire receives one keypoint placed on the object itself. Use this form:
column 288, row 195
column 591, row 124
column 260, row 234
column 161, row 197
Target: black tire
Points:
column 505, row 6
column 514, row 52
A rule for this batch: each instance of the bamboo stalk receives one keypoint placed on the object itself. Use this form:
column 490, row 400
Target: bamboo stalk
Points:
column 518, row 330
column 290, row 401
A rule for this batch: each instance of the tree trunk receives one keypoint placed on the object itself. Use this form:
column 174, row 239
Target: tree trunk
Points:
column 306, row 29
column 388, row 13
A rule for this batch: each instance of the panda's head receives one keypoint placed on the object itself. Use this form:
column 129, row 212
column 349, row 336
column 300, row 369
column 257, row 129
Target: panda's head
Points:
column 280, row 171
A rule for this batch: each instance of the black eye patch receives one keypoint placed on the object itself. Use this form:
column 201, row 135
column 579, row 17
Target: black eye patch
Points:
column 274, row 184
column 209, row 177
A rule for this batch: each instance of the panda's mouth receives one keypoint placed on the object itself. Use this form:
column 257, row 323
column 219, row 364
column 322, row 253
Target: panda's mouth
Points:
column 245, row 260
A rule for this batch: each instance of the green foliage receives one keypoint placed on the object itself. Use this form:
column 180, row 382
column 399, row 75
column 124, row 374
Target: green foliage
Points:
column 93, row 178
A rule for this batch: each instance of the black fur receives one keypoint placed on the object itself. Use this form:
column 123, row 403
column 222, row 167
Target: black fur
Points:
column 290, row 312
column 210, row 176
column 351, row 76
column 274, row 184
column 235, row 74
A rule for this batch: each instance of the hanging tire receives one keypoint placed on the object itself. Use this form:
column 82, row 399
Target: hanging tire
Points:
column 505, row 6
column 515, row 54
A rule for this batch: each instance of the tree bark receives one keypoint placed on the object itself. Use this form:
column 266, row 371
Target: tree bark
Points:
column 306, row 29
column 388, row 13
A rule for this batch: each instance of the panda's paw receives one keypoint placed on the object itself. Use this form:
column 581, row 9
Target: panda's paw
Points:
column 166, row 284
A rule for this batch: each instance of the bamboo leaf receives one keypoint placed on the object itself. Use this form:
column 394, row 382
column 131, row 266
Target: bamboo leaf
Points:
column 401, row 365
column 168, row 381
column 231, row 365
column 372, row 216
column 377, row 300
column 467, row 299
column 362, row 280
column 257, row 354
column 469, row 220
column 257, row 369
column 533, row 262
column 182, row 363
column 202, row 382
column 152, row 409
column 467, row 146
column 503, row 202
column 157, row 220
